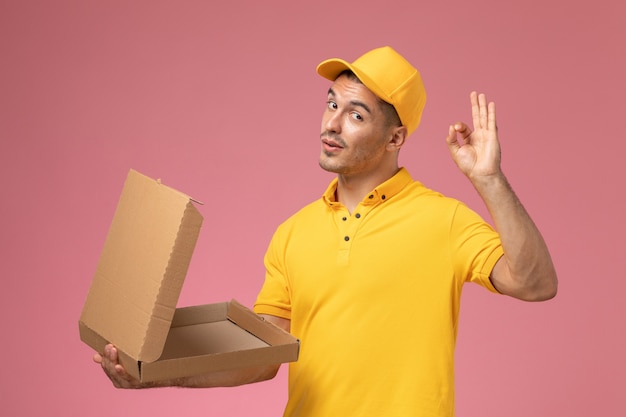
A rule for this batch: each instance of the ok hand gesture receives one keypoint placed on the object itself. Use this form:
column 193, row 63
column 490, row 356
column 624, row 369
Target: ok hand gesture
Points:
column 477, row 152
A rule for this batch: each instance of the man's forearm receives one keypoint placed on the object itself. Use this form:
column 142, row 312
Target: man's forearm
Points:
column 528, row 272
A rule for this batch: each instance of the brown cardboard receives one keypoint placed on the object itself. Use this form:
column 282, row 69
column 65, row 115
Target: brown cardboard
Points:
column 133, row 296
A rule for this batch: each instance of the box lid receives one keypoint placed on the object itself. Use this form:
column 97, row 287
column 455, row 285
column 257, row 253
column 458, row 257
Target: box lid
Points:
column 142, row 267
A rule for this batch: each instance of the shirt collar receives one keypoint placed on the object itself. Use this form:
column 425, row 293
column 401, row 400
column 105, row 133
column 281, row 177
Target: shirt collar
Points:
column 382, row 193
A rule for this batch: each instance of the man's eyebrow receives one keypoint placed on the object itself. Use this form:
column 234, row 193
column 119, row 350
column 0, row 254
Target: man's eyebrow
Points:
column 356, row 103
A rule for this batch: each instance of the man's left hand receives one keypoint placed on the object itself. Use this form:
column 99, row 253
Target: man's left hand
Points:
column 477, row 152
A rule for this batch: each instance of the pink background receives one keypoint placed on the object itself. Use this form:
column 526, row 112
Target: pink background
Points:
column 221, row 100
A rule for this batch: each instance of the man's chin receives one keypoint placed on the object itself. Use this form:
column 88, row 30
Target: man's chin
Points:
column 328, row 167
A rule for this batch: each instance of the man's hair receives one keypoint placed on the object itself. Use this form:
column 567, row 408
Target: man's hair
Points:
column 390, row 113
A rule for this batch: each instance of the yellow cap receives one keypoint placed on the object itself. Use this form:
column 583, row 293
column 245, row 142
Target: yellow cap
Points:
column 388, row 75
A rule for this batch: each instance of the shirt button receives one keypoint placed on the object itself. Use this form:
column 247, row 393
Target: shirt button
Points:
column 347, row 238
column 358, row 215
column 344, row 218
column 383, row 196
column 371, row 196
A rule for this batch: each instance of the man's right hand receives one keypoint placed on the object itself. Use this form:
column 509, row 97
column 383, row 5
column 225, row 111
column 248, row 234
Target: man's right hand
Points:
column 116, row 372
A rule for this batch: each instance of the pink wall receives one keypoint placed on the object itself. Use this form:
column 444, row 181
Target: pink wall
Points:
column 222, row 102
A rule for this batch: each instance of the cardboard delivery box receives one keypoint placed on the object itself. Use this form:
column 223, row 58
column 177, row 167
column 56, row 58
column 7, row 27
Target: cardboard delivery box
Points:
column 133, row 296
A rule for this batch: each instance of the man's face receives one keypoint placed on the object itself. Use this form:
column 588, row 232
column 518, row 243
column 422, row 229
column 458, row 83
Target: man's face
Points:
column 354, row 129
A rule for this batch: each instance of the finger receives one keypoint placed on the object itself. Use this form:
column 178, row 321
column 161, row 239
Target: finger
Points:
column 475, row 109
column 109, row 360
column 482, row 107
column 112, row 353
column 451, row 138
column 122, row 379
column 116, row 372
column 491, row 118
column 121, row 372
column 97, row 358
column 463, row 130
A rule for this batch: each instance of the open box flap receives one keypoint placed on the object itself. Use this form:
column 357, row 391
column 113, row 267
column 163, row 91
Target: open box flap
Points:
column 142, row 267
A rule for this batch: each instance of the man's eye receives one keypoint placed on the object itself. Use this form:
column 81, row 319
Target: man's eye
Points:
column 332, row 105
column 357, row 116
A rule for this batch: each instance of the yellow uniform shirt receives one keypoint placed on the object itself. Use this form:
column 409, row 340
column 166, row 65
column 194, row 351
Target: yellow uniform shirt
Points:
column 374, row 297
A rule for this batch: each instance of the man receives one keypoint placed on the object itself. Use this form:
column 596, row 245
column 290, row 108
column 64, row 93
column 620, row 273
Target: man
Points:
column 369, row 277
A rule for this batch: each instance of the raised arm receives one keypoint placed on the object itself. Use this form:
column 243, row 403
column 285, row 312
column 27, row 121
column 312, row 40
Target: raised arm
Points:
column 526, row 270
column 121, row 379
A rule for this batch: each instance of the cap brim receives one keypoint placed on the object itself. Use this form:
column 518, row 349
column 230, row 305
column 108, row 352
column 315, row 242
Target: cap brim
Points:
column 331, row 68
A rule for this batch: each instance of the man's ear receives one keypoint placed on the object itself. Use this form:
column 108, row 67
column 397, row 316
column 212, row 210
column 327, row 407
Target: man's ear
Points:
column 398, row 136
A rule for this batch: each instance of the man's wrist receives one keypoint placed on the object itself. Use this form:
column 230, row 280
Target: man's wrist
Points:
column 489, row 183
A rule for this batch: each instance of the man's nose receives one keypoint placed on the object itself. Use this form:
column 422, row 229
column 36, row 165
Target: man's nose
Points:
column 332, row 122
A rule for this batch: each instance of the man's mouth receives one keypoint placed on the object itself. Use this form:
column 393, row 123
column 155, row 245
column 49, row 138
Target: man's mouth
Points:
column 331, row 143
column 330, row 147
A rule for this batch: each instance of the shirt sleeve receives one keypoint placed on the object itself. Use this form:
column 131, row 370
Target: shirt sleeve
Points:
column 475, row 247
column 275, row 295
